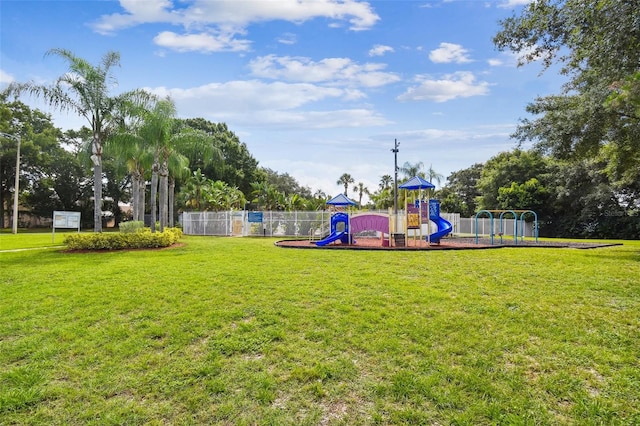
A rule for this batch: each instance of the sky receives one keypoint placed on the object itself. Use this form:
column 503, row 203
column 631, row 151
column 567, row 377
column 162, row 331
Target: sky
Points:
column 314, row 88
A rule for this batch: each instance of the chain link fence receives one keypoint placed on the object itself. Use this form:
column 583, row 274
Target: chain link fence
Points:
column 300, row 224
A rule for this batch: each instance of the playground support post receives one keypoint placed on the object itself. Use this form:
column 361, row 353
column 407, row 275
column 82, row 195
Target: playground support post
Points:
column 395, row 151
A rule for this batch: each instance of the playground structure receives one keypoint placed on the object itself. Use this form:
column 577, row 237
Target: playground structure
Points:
column 514, row 215
column 344, row 226
column 339, row 230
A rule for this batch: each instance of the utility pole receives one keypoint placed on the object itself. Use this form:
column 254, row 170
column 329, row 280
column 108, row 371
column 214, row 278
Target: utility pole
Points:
column 17, row 181
column 395, row 176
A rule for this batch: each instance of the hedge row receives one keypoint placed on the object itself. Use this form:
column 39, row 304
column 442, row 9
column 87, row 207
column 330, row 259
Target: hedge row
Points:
column 119, row 241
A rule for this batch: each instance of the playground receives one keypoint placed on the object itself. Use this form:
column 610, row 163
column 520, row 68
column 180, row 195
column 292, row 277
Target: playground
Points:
column 421, row 227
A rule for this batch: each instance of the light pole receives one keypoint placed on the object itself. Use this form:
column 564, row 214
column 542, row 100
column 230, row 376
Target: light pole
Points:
column 17, row 181
column 395, row 176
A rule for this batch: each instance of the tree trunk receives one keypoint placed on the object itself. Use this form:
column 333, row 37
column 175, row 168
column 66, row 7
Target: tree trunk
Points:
column 164, row 194
column 172, row 190
column 97, row 195
column 153, row 205
column 96, row 157
column 142, row 193
column 135, row 189
column 1, row 205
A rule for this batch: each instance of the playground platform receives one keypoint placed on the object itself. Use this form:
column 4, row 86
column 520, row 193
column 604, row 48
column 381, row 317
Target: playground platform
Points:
column 376, row 244
column 445, row 244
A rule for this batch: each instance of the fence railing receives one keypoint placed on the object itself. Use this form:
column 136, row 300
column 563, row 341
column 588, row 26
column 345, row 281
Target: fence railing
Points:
column 241, row 223
column 302, row 224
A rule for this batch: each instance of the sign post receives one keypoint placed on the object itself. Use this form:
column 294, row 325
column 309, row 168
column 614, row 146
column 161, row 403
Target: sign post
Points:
column 65, row 220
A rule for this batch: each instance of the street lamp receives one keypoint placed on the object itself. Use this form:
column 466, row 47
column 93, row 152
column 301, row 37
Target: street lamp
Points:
column 17, row 182
column 395, row 176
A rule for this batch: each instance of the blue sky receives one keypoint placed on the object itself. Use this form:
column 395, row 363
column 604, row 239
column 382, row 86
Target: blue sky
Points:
column 314, row 88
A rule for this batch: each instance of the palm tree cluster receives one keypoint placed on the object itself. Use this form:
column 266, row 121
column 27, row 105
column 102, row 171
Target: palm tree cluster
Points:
column 268, row 196
column 203, row 194
column 154, row 140
column 141, row 134
column 85, row 90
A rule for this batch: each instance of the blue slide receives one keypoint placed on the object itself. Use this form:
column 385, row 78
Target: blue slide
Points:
column 444, row 226
column 334, row 236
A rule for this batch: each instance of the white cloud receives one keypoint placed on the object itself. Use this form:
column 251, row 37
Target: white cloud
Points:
column 341, row 71
column 5, row 77
column 380, row 50
column 203, row 13
column 457, row 85
column 256, row 103
column 449, row 52
column 494, row 62
column 288, row 38
column 514, row 3
column 203, row 42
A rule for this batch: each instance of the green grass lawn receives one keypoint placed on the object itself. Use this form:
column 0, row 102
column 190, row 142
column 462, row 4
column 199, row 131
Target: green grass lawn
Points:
column 237, row 331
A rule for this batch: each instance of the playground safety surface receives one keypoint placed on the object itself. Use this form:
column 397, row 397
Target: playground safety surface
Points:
column 445, row 244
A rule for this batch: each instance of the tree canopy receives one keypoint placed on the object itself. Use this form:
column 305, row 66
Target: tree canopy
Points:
column 597, row 46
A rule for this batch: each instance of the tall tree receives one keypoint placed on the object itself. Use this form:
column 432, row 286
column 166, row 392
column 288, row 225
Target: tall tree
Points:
column 385, row 181
column 597, row 45
column 461, row 192
column 433, row 175
column 235, row 164
column 51, row 178
column 286, row 183
column 345, row 180
column 502, row 170
column 410, row 170
column 267, row 196
column 86, row 90
column 137, row 154
column 361, row 190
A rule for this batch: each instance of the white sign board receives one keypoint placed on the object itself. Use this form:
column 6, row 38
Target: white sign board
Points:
column 65, row 220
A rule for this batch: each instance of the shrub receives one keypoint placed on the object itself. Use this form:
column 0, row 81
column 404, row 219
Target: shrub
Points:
column 132, row 226
column 143, row 238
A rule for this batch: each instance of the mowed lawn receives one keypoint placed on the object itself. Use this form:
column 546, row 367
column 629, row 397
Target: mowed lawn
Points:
column 237, row 331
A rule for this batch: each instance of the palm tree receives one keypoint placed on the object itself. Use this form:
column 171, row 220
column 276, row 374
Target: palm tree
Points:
column 267, row 195
column 134, row 150
column 360, row 189
column 345, row 180
column 193, row 146
column 84, row 89
column 178, row 170
column 433, row 175
column 193, row 192
column 410, row 170
column 385, row 182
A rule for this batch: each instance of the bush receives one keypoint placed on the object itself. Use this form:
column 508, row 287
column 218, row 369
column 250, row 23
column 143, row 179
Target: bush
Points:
column 132, row 226
column 123, row 240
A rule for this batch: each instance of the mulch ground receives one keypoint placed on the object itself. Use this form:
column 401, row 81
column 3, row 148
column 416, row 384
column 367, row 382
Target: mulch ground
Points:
column 445, row 244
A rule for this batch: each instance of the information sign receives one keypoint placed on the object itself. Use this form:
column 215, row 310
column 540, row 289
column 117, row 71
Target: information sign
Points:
column 255, row 217
column 63, row 219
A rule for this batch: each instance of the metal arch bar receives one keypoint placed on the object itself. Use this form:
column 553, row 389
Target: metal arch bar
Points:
column 515, row 220
column 535, row 226
column 491, row 216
